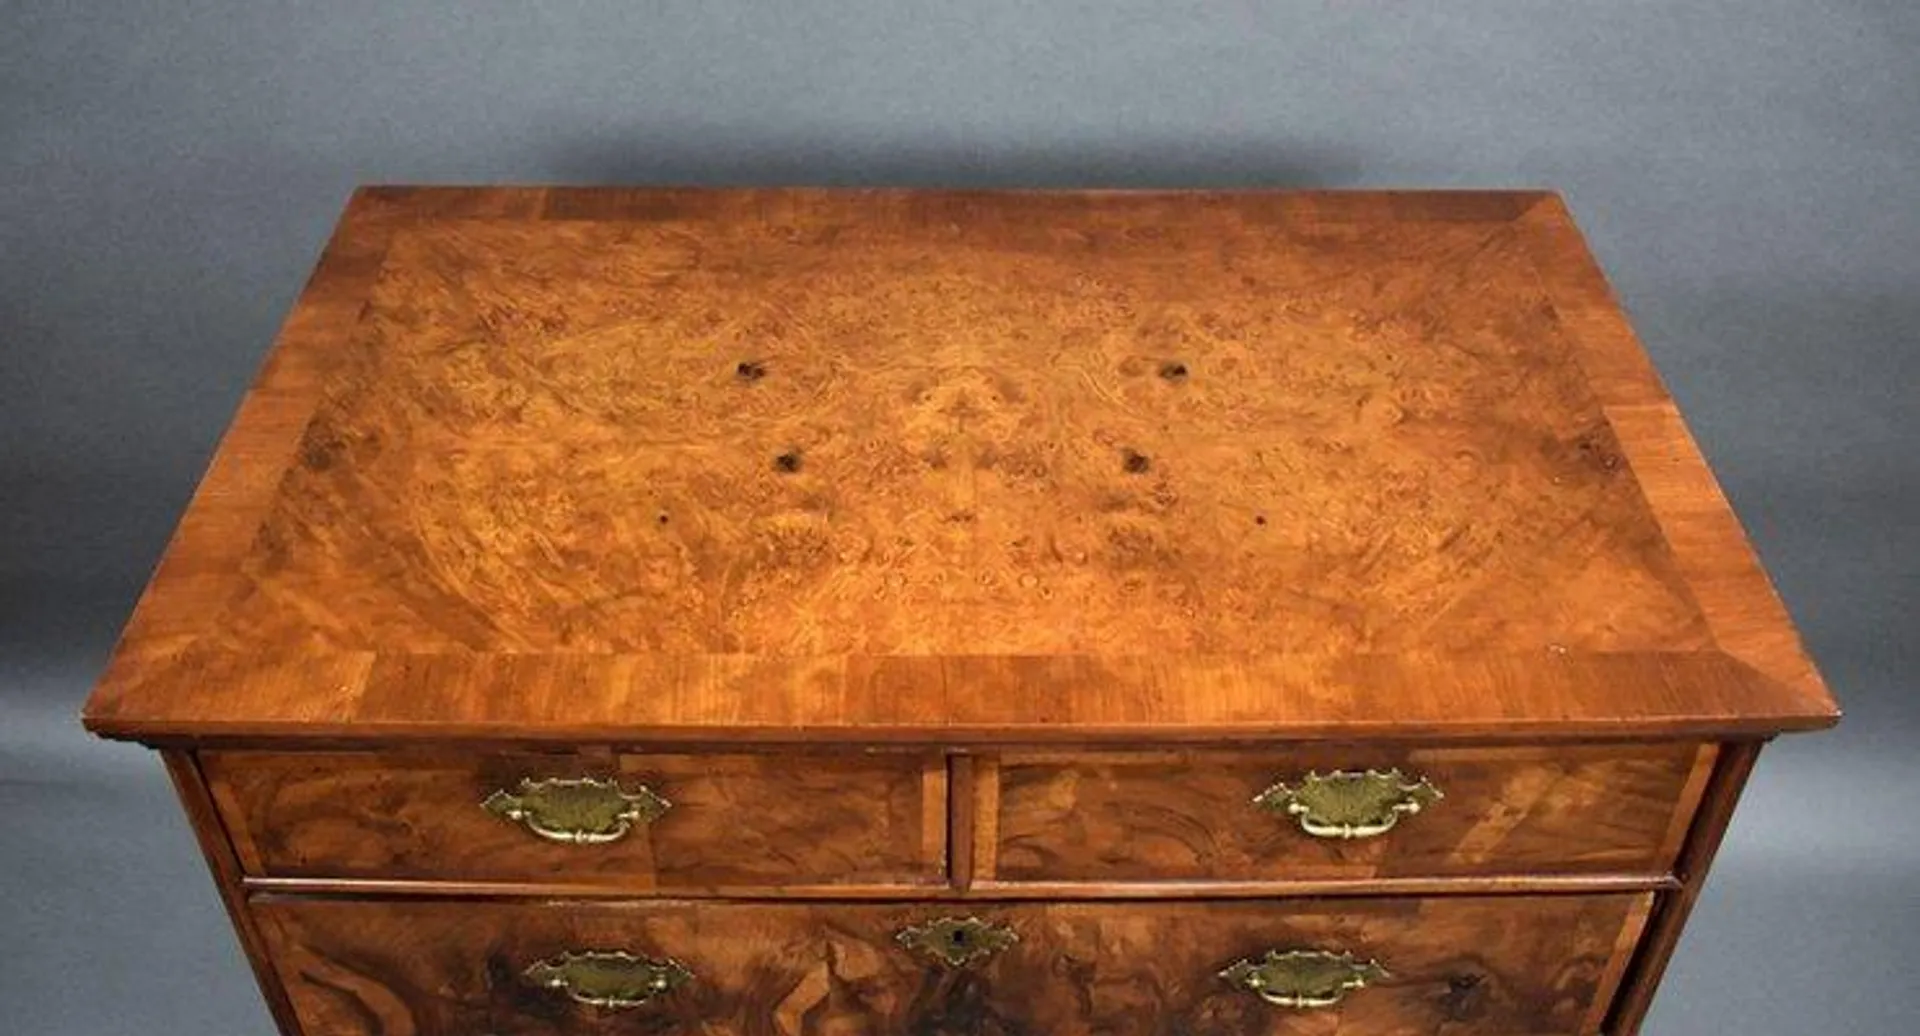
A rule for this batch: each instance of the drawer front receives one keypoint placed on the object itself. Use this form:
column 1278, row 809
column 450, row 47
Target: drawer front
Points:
column 1496, row 965
column 688, row 823
column 1231, row 816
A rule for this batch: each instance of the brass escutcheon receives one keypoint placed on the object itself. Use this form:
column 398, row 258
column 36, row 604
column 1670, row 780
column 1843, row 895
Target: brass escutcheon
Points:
column 577, row 811
column 613, row 980
column 1303, row 979
column 957, row 942
column 1346, row 804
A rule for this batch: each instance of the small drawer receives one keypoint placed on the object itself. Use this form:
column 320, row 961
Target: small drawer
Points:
column 1541, row 965
column 684, row 823
column 1331, row 814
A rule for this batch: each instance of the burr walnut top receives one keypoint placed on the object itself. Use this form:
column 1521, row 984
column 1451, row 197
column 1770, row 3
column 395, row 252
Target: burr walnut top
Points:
column 534, row 463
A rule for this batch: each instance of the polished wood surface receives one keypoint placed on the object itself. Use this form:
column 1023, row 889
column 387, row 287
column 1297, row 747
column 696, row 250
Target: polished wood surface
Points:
column 956, row 467
column 988, row 890
column 1506, row 965
column 737, row 822
column 1190, row 816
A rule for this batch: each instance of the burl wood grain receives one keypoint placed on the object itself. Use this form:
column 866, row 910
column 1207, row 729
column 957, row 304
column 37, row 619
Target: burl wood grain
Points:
column 737, row 822
column 571, row 438
column 1184, row 816
column 678, row 463
column 1513, row 965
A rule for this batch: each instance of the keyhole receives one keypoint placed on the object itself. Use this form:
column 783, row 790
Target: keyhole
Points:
column 750, row 370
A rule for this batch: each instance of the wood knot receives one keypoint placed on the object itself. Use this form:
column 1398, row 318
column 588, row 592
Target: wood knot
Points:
column 1463, row 999
column 1599, row 454
column 1173, row 370
column 1135, row 462
column 319, row 454
column 788, row 462
column 750, row 370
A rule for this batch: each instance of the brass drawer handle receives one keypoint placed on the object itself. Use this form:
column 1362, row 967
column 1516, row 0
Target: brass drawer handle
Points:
column 615, row 981
column 1346, row 804
column 579, row 811
column 957, row 942
column 1303, row 979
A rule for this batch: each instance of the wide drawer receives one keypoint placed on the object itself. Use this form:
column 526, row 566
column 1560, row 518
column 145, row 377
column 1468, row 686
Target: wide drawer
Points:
column 1540, row 966
column 1335, row 813
column 686, row 823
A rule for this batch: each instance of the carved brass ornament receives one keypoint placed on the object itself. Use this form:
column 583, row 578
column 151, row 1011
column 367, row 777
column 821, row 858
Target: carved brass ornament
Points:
column 1346, row 804
column 1303, row 979
column 958, row 942
column 614, row 981
column 579, row 811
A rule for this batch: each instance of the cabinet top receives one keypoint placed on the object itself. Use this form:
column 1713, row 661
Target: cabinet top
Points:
column 542, row 463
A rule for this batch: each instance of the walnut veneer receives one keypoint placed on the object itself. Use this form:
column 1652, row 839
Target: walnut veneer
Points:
column 1146, row 816
column 1512, row 964
column 737, row 822
column 902, row 562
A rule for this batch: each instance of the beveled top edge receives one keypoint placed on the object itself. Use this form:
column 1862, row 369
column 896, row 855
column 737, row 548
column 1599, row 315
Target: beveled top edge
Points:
column 950, row 700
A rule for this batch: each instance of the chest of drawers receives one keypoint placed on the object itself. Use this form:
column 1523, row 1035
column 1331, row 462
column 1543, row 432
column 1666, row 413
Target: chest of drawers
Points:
column 896, row 612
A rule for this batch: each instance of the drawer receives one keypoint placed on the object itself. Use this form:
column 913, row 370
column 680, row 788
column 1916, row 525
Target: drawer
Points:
column 687, row 823
column 1501, row 965
column 1371, row 813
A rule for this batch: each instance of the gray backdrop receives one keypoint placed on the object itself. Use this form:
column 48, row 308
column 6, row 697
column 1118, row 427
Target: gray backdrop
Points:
column 1746, row 171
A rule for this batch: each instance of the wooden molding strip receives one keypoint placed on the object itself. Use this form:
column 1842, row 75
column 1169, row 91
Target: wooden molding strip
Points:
column 985, row 890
